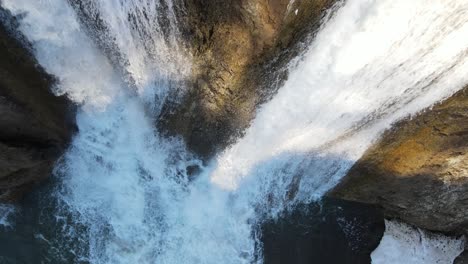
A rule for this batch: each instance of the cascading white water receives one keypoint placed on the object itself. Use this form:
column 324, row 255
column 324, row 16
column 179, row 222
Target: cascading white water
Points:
column 372, row 63
column 64, row 50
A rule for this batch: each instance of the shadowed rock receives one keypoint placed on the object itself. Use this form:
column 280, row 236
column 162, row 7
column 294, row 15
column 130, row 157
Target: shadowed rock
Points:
column 418, row 171
column 35, row 125
column 240, row 50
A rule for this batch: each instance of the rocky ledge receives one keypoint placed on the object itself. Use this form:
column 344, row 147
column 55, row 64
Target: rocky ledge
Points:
column 35, row 125
column 418, row 171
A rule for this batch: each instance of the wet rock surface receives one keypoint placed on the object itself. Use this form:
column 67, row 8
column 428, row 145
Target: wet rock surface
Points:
column 239, row 51
column 35, row 125
column 418, row 171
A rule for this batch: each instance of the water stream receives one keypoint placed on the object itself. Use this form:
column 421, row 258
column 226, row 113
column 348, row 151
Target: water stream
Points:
column 124, row 195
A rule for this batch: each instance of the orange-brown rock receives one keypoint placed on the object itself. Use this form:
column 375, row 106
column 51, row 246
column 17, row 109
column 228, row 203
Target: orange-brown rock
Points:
column 239, row 49
column 418, row 171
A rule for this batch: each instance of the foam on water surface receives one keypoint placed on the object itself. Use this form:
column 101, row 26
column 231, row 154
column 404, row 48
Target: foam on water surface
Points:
column 6, row 213
column 405, row 244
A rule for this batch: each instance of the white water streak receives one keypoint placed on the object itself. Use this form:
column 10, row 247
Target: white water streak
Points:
column 373, row 63
column 65, row 51
column 139, row 36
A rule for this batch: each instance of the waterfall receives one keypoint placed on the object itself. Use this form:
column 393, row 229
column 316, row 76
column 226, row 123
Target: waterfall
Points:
column 372, row 64
column 125, row 196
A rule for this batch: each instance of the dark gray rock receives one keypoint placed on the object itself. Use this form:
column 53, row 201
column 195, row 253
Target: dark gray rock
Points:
column 35, row 125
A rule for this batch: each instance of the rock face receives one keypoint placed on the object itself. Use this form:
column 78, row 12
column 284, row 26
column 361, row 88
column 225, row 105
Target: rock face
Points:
column 418, row 171
column 35, row 125
column 239, row 51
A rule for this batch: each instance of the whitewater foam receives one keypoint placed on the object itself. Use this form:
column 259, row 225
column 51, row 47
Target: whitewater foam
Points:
column 63, row 49
column 405, row 244
column 6, row 213
column 127, row 187
column 372, row 64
